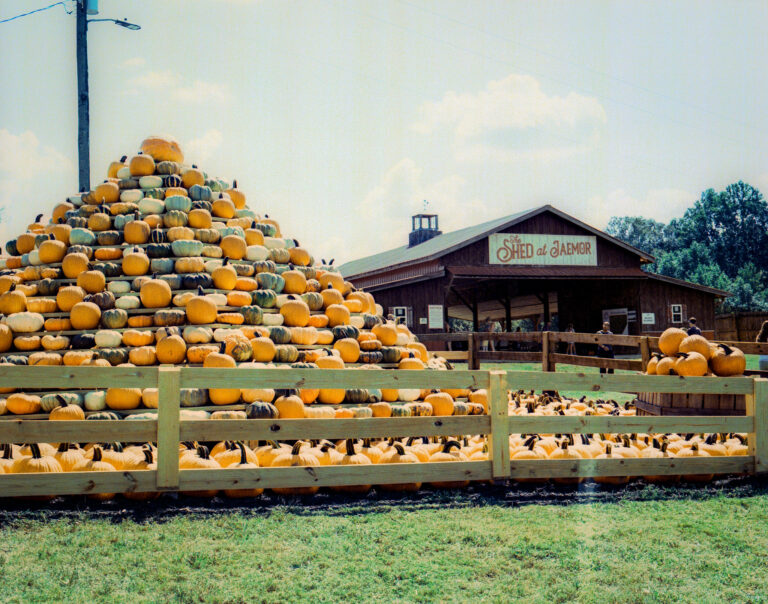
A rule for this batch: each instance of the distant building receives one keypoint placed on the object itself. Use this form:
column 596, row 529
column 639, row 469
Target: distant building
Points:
column 536, row 264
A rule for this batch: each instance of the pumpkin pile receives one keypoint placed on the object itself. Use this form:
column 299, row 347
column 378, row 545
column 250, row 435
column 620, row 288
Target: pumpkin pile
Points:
column 164, row 264
column 695, row 356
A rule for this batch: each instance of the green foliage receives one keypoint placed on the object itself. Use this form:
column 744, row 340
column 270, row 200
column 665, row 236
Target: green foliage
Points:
column 721, row 241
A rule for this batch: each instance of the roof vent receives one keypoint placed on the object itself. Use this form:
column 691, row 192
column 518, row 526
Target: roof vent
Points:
column 423, row 228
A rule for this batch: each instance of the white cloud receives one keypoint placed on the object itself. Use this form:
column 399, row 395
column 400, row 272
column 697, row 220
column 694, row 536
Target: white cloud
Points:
column 32, row 177
column 514, row 119
column 176, row 89
column 202, row 148
column 134, row 63
column 659, row 204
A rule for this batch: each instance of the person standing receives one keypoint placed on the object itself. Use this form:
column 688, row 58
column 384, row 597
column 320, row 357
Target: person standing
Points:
column 693, row 329
column 571, row 349
column 605, row 351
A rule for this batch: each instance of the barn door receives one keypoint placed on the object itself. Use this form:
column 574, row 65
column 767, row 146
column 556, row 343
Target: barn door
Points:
column 618, row 318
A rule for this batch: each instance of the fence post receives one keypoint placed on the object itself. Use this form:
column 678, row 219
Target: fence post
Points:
column 757, row 406
column 499, row 436
column 545, row 351
column 169, row 394
column 473, row 361
column 645, row 352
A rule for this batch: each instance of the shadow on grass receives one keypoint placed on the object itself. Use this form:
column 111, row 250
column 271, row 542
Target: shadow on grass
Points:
column 172, row 506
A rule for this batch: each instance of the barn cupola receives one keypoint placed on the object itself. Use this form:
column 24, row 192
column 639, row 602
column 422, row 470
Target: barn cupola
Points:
column 423, row 228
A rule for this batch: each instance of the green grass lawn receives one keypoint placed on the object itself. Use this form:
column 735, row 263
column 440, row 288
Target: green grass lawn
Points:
column 639, row 544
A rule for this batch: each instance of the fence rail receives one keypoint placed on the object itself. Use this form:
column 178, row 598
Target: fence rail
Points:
column 168, row 430
column 547, row 344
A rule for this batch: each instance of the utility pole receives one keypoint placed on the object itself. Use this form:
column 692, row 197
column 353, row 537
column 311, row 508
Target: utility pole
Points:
column 83, row 118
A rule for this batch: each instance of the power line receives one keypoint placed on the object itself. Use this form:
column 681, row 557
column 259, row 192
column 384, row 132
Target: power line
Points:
column 38, row 10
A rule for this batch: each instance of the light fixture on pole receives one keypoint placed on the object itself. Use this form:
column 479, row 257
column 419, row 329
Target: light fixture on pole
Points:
column 85, row 8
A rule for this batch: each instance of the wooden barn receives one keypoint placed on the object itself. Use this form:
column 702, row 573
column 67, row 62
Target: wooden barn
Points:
column 540, row 264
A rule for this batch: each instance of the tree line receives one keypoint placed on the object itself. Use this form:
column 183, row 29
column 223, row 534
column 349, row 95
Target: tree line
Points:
column 721, row 241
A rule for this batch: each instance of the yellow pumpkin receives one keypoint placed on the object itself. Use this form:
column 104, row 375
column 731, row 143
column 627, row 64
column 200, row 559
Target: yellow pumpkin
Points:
column 337, row 314
column 123, row 398
column 349, row 349
column 52, row 251
column 162, row 148
column 233, row 246
column 141, row 165
column 92, row 282
column 85, row 315
column 295, row 312
column 224, row 276
column 74, row 264
column 199, row 219
column 201, row 310
column 670, row 340
column 135, row 262
column 155, row 293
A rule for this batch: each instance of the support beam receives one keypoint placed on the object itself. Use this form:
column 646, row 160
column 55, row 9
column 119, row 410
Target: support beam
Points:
column 546, row 310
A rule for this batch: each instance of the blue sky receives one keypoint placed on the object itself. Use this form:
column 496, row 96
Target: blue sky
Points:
column 339, row 117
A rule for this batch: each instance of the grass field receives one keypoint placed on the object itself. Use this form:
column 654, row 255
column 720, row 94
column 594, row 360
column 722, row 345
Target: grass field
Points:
column 639, row 544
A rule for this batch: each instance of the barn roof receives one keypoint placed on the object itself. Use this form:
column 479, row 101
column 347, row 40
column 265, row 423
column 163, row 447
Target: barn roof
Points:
column 448, row 242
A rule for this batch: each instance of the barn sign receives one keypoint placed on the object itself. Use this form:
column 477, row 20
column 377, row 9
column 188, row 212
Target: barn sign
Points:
column 518, row 248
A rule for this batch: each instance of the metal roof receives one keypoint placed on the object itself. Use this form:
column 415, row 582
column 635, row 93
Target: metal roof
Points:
column 447, row 242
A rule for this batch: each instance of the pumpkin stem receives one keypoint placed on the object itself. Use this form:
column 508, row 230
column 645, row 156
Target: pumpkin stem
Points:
column 202, row 452
column 200, row 291
column 451, row 444
column 7, row 451
column 222, row 347
column 38, row 217
column 399, row 448
column 727, row 349
column 226, row 261
column 35, row 448
column 96, row 454
column 123, row 158
column 243, row 459
column 148, row 457
column 296, row 447
column 350, row 446
column 234, row 184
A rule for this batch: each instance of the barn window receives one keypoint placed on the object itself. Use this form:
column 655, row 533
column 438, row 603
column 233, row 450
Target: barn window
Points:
column 676, row 310
column 402, row 314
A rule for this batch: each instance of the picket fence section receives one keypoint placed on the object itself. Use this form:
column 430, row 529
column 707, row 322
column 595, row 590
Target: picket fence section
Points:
column 168, row 430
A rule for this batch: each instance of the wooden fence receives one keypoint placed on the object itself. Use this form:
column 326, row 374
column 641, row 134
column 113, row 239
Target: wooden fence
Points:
column 739, row 325
column 545, row 348
column 168, row 430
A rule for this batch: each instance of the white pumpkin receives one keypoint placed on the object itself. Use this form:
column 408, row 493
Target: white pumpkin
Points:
column 149, row 205
column 212, row 265
column 256, row 253
column 217, row 299
column 124, row 173
column 108, row 338
column 128, row 302
column 195, row 334
column 359, row 322
column 219, row 335
column 34, row 258
column 96, row 401
column 24, row 322
column 212, row 251
column 151, row 182
column 131, row 196
column 150, row 397
column 119, row 287
column 183, row 299
column 272, row 319
column 274, row 243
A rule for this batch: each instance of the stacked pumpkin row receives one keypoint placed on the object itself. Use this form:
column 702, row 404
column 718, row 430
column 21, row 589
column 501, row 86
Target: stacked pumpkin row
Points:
column 694, row 356
column 45, row 458
column 623, row 446
column 321, row 403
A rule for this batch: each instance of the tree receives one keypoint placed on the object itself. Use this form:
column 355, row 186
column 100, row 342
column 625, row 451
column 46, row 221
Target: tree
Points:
column 645, row 234
column 720, row 242
column 732, row 224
